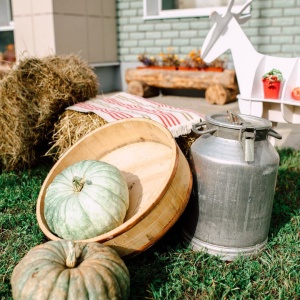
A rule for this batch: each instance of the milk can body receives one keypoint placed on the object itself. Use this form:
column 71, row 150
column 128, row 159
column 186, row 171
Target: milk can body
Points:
column 230, row 207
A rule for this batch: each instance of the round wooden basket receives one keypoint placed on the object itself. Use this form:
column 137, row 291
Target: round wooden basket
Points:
column 157, row 173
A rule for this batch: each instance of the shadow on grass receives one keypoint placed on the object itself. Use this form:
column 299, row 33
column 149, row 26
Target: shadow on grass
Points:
column 148, row 270
column 153, row 271
column 168, row 268
column 287, row 193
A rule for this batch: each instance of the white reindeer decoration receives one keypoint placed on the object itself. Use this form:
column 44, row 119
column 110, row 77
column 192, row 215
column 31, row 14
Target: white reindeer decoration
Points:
column 250, row 66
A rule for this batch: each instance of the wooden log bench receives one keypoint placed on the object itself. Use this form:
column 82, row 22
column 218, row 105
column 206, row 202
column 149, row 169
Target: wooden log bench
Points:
column 220, row 87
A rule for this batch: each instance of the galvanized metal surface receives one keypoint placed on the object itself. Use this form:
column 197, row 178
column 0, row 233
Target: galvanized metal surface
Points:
column 230, row 207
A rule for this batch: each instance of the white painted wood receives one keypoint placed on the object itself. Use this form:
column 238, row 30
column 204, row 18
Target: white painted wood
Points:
column 226, row 33
column 152, row 9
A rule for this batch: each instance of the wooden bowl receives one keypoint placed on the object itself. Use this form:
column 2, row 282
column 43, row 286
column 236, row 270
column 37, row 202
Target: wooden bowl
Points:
column 157, row 173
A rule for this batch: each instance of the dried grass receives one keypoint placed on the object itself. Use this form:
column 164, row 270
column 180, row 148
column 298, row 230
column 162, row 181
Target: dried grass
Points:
column 71, row 127
column 32, row 97
column 185, row 142
column 74, row 125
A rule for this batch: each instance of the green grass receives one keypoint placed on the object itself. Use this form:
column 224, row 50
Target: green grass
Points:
column 169, row 269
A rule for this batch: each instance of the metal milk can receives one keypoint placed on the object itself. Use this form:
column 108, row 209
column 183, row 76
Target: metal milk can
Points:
column 235, row 168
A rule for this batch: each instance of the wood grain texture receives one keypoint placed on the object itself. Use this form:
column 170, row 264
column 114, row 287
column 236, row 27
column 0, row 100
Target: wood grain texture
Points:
column 157, row 173
column 182, row 79
column 218, row 94
column 222, row 86
column 140, row 88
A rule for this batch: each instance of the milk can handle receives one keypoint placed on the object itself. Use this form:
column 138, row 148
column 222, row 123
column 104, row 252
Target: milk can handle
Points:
column 274, row 134
column 196, row 127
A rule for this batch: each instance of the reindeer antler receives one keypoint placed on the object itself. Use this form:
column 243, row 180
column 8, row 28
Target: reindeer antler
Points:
column 245, row 6
column 243, row 18
column 229, row 7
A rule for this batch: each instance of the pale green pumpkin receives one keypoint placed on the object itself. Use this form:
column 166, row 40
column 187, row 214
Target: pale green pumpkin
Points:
column 85, row 200
column 61, row 270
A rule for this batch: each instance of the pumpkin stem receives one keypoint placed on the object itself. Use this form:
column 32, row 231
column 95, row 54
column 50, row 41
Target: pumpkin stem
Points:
column 78, row 183
column 71, row 257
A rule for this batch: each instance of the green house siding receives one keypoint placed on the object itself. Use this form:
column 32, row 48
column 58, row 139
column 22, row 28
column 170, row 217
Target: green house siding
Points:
column 274, row 29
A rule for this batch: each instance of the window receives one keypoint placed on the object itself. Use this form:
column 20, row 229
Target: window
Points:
column 161, row 9
column 5, row 13
column 6, row 26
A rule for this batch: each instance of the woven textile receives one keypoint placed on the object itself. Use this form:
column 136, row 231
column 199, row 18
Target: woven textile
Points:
column 124, row 105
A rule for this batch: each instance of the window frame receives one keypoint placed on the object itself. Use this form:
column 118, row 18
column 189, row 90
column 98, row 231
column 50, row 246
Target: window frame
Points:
column 152, row 10
column 10, row 25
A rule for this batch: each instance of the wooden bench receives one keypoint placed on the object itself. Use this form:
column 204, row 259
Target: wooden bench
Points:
column 220, row 87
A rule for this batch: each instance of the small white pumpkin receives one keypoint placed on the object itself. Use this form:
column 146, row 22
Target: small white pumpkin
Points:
column 85, row 200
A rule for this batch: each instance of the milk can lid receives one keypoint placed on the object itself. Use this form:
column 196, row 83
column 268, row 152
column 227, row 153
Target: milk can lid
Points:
column 238, row 121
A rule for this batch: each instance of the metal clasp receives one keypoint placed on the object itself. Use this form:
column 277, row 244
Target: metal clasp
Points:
column 198, row 128
column 246, row 135
column 247, row 138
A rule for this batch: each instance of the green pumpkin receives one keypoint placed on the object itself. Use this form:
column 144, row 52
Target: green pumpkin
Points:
column 63, row 269
column 85, row 200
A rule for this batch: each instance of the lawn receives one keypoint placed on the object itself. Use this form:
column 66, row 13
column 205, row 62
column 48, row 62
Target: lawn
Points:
column 169, row 269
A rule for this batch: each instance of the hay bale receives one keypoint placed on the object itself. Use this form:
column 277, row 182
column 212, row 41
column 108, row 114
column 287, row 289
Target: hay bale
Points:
column 71, row 127
column 32, row 97
column 74, row 125
column 4, row 69
column 185, row 142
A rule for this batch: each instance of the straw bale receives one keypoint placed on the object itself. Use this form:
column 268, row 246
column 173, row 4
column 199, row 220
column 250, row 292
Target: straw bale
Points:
column 185, row 142
column 71, row 127
column 74, row 125
column 32, row 97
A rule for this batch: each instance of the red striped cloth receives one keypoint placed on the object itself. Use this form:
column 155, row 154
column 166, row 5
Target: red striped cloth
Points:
column 124, row 105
